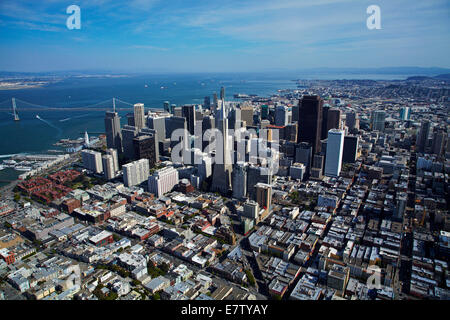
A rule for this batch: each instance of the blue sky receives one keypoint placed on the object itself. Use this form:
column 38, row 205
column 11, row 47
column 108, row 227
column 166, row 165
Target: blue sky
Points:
column 212, row 36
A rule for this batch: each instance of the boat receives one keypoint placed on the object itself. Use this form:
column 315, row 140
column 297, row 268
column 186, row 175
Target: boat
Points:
column 22, row 168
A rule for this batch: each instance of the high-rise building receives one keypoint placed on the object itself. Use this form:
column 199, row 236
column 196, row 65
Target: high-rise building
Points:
column 113, row 153
column 438, row 142
column 324, row 131
column 239, row 182
column 215, row 105
column 174, row 123
column 166, row 106
column 205, row 167
column 86, row 139
column 310, row 121
column 350, row 149
column 335, row 148
column 145, row 148
column 334, row 119
column 331, row 119
column 264, row 111
column 247, row 115
column 92, row 160
column 113, row 131
column 350, row 120
column 281, row 116
column 158, row 123
column 255, row 175
column 188, row 112
column 378, row 120
column 108, row 167
column 290, row 132
column 405, row 113
column 303, row 154
column 163, row 181
column 318, row 161
column 207, row 102
column 139, row 116
column 264, row 197
column 297, row 171
column 128, row 135
column 134, row 173
column 223, row 166
column 251, row 209
column 222, row 93
column 422, row 137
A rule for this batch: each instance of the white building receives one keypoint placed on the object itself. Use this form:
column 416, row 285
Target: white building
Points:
column 113, row 153
column 108, row 167
column 162, row 181
column 92, row 160
column 335, row 148
column 139, row 116
column 134, row 173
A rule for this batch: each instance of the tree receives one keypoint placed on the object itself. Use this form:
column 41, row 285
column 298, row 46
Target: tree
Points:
column 156, row 296
column 250, row 277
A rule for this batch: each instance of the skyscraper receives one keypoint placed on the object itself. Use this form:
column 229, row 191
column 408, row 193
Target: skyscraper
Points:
column 223, row 167
column 405, row 113
column 335, row 148
column 438, row 142
column 281, row 116
column 255, row 175
column 378, row 120
column 108, row 167
column 113, row 154
column 113, row 131
column 240, row 180
column 350, row 120
column 324, row 131
column 215, row 103
column 303, row 154
column 264, row 198
column 166, row 106
column 207, row 102
column 222, row 93
column 247, row 114
column 139, row 116
column 144, row 148
column 310, row 121
column 334, row 119
column 86, row 139
column 188, row 112
column 350, row 149
column 158, row 123
column 422, row 138
column 134, row 173
column 128, row 134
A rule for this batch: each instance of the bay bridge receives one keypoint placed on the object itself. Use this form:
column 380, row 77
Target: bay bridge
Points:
column 15, row 106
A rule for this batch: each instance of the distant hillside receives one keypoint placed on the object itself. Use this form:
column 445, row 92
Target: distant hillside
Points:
column 418, row 78
column 445, row 76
